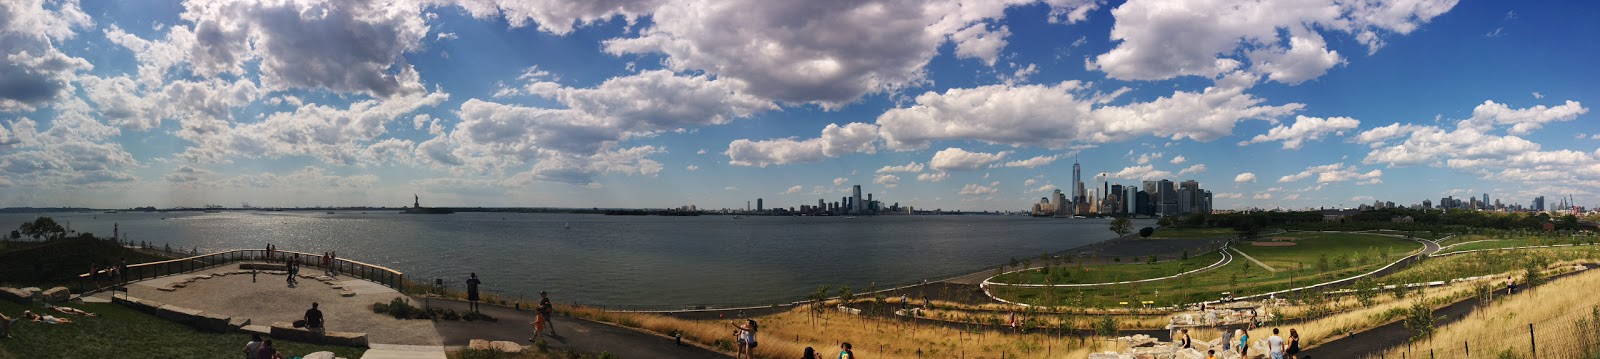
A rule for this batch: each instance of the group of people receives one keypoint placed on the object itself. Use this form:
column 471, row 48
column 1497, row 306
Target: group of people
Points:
column 1277, row 347
column 110, row 274
column 260, row 349
column 7, row 322
column 541, row 317
column 844, row 352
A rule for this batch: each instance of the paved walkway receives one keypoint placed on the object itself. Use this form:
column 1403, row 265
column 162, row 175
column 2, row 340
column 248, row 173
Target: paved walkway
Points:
column 577, row 334
column 1253, row 260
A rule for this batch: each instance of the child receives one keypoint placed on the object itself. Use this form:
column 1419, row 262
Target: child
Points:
column 1211, row 354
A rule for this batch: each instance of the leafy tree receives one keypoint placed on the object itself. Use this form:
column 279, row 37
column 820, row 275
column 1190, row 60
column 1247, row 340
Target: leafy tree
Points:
column 1364, row 291
column 1185, row 254
column 1146, row 232
column 1419, row 320
column 845, row 295
column 1152, row 260
column 1121, row 226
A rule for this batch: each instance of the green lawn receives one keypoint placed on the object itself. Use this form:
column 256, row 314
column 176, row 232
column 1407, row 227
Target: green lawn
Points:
column 1193, row 233
column 1429, row 235
column 120, row 332
column 1488, row 262
column 1111, row 272
column 1516, row 242
column 58, row 262
column 1348, row 255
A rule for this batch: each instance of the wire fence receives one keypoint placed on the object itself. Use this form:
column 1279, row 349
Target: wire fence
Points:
column 1575, row 335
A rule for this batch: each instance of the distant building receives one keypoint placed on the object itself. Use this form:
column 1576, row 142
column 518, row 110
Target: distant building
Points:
column 1402, row 219
column 759, row 205
column 855, row 200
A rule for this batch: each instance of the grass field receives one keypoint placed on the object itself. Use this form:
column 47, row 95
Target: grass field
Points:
column 1429, row 235
column 1192, row 233
column 1490, row 262
column 1564, row 314
column 58, row 262
column 1347, row 255
column 119, row 332
column 1109, row 273
column 1514, row 242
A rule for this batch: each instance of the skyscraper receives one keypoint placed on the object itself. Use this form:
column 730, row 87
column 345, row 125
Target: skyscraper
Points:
column 1168, row 198
column 1077, row 181
column 855, row 199
column 759, row 206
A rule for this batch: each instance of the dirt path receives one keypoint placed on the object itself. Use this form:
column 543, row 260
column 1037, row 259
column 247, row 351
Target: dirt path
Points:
column 1253, row 260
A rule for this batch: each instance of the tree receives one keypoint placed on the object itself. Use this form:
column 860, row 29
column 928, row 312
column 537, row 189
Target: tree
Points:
column 1121, row 226
column 1146, row 232
column 1364, row 291
column 845, row 295
column 1419, row 320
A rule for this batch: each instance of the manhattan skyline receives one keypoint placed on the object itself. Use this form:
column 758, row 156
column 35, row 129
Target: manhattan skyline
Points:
column 970, row 105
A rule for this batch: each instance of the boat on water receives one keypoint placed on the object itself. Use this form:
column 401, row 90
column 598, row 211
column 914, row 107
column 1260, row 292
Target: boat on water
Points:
column 417, row 208
column 738, row 217
column 566, row 226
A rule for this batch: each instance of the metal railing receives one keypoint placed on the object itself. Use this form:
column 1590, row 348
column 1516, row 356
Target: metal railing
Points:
column 103, row 278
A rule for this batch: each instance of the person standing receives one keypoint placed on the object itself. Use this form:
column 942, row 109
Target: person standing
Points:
column 1275, row 345
column 326, row 269
column 547, row 310
column 1227, row 340
column 844, row 351
column 747, row 339
column 1244, row 343
column 252, row 349
column 1294, row 344
column 122, row 269
column 333, row 259
column 472, row 292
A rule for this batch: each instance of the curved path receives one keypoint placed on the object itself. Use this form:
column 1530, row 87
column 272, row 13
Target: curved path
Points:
column 575, row 334
column 1226, row 258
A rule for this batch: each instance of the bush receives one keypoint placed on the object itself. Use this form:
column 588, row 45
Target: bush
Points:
column 541, row 345
column 400, row 308
column 1106, row 327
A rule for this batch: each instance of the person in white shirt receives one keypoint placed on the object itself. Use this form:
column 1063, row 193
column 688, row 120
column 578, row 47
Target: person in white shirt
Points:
column 1275, row 345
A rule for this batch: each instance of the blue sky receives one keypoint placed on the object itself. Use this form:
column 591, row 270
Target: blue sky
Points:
column 954, row 104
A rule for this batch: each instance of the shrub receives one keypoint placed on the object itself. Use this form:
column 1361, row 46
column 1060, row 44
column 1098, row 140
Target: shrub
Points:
column 1106, row 327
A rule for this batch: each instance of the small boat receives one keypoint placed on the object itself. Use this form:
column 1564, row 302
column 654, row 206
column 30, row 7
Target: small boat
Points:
column 566, row 226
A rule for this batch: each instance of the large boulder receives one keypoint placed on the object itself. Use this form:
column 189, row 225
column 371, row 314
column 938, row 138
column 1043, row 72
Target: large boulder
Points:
column 478, row 344
column 1190, row 353
column 16, row 295
column 506, row 347
column 56, row 295
column 319, row 355
column 349, row 339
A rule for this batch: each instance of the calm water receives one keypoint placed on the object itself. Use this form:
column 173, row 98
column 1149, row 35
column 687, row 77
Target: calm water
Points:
column 624, row 260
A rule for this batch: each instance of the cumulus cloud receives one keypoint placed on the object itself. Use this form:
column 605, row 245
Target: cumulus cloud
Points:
column 840, row 181
column 1229, row 195
column 1262, row 196
column 956, row 159
column 558, row 17
column 1163, row 39
column 909, row 167
column 932, row 177
column 1067, row 113
column 1525, row 120
column 1470, row 143
column 34, row 72
column 835, row 141
column 1175, row 160
column 828, row 52
column 793, row 190
column 1329, row 173
column 692, row 168
column 888, row 181
column 1144, row 172
column 1195, row 169
column 75, row 151
column 1305, row 129
column 976, row 189
column 1246, row 177
column 1032, row 162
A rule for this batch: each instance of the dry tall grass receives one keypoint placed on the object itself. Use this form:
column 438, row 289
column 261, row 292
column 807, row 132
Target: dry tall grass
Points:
column 1487, row 328
column 787, row 334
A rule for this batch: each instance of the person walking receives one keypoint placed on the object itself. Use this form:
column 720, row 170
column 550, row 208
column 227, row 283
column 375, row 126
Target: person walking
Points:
column 1294, row 344
column 326, row 269
column 253, row 348
column 472, row 292
column 844, row 351
column 747, row 339
column 1275, row 345
column 547, row 311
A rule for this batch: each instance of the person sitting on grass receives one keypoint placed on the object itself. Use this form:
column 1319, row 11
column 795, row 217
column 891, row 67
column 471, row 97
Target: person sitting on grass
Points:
column 70, row 310
column 44, row 318
column 267, row 351
column 5, row 325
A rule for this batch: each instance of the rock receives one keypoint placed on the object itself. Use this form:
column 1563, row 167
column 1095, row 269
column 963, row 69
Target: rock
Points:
column 1105, row 355
column 179, row 285
column 56, row 295
column 358, row 340
column 347, row 294
column 256, row 329
column 238, row 323
column 33, row 293
column 177, row 314
column 16, row 295
column 506, row 347
column 1189, row 354
column 478, row 344
column 318, row 355
column 166, row 289
column 212, row 322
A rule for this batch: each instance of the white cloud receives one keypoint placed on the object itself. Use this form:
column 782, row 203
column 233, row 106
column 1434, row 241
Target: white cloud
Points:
column 888, row 181
column 1163, row 39
column 558, row 17
column 909, row 167
column 1336, row 172
column 932, row 177
column 1538, row 96
column 1305, row 129
column 730, row 188
column 835, row 141
column 1175, row 160
column 1146, row 158
column 692, row 168
column 1030, row 182
column 956, row 159
column 840, row 181
column 1195, row 169
column 700, row 152
column 1525, row 120
column 793, row 190
column 1144, row 172
column 797, row 51
column 1246, row 177
column 1262, row 196
column 976, row 189
column 1032, row 162
column 1228, row 195
column 34, row 72
column 1064, row 114
column 75, row 151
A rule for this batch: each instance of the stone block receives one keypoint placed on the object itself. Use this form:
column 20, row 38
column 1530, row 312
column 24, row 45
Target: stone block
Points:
column 478, row 344
column 319, row 355
column 349, row 339
column 33, row 292
column 142, row 305
column 236, row 324
column 166, row 289
column 347, row 294
column 204, row 276
column 1189, row 354
column 1106, row 355
column 506, row 346
column 16, row 295
column 256, row 329
column 213, row 322
column 179, row 285
column 56, row 295
column 177, row 314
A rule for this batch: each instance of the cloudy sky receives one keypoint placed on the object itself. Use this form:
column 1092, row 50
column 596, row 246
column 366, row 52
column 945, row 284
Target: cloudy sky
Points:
column 972, row 104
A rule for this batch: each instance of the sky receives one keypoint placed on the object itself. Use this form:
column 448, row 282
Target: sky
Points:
column 951, row 104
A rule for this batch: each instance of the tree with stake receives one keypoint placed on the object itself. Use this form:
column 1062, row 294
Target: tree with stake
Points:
column 1121, row 226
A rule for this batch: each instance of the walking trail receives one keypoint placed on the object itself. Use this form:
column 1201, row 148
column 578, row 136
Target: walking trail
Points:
column 1253, row 260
